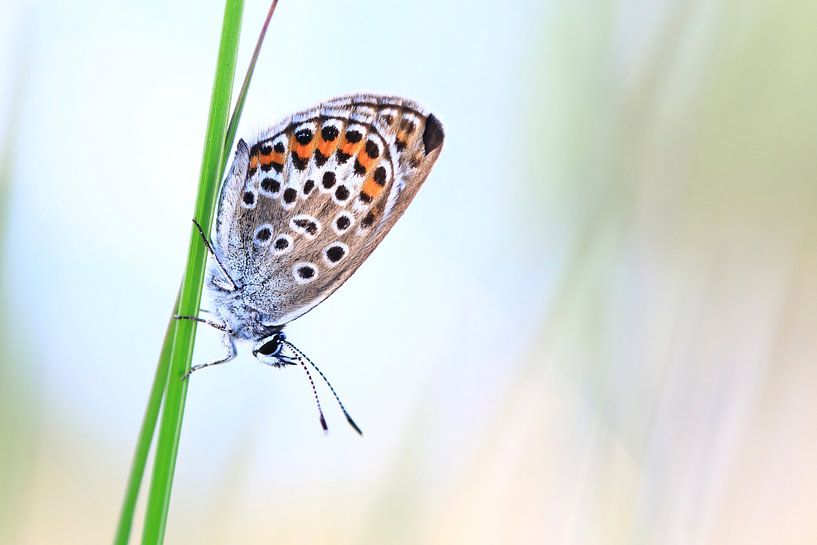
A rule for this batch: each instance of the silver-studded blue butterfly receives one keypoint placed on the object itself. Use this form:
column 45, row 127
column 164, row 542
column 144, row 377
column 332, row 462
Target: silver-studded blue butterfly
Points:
column 304, row 204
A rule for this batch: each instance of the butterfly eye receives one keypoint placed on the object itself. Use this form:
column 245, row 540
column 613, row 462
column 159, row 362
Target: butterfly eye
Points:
column 271, row 348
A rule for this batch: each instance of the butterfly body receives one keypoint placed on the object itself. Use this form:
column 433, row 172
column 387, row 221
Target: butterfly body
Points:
column 240, row 310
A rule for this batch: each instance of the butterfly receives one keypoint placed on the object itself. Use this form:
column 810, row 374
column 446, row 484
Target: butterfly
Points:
column 302, row 207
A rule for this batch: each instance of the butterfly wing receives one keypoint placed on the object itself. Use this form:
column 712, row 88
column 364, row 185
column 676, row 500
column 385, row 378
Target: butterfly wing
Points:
column 308, row 200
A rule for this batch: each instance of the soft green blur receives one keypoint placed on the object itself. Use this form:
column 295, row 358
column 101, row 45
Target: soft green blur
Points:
column 609, row 338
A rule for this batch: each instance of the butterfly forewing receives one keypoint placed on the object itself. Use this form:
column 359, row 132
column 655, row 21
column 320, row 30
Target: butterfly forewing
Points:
column 307, row 201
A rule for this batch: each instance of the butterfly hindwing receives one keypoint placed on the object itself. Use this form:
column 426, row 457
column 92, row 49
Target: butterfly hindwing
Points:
column 308, row 200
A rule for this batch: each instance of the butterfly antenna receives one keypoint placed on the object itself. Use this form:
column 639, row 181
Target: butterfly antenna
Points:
column 315, row 393
column 326, row 380
column 209, row 247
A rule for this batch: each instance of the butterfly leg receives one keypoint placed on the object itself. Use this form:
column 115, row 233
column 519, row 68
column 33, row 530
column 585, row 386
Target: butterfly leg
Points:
column 227, row 339
column 213, row 254
column 211, row 323
column 221, row 327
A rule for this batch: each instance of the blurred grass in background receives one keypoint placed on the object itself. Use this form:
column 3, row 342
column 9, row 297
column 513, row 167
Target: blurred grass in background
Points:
column 19, row 396
column 667, row 395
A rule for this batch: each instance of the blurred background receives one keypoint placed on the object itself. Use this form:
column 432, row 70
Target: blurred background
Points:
column 595, row 324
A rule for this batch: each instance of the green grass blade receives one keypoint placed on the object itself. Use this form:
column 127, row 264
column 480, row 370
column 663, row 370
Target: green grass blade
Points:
column 159, row 387
column 242, row 94
column 140, row 456
column 184, row 330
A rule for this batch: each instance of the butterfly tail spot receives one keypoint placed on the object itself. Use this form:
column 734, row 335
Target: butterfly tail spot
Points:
column 433, row 134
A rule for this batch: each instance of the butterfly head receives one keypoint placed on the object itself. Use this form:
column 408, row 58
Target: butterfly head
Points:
column 268, row 349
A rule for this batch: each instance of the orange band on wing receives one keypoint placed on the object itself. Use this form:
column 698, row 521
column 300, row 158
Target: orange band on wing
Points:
column 350, row 148
column 371, row 187
column 272, row 157
column 366, row 161
column 327, row 148
column 303, row 150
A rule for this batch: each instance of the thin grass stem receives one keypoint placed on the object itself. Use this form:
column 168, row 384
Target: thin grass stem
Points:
column 245, row 86
column 184, row 331
column 177, row 348
column 143, row 443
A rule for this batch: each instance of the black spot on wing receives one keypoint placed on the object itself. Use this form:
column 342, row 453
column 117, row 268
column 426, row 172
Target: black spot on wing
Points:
column 320, row 158
column 263, row 234
column 380, row 175
column 372, row 150
column 335, row 253
column 343, row 223
column 329, row 133
column 270, row 185
column 307, row 225
column 433, row 134
column 306, row 272
column 342, row 193
column 299, row 162
column 281, row 243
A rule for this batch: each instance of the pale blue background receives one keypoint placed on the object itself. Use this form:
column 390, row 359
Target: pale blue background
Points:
column 595, row 323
